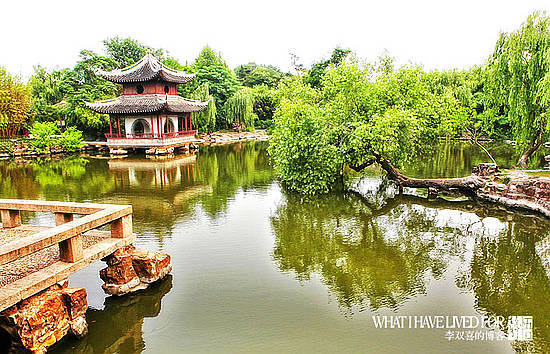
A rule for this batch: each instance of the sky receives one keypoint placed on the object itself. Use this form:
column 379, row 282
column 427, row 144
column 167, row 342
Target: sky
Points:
column 438, row 34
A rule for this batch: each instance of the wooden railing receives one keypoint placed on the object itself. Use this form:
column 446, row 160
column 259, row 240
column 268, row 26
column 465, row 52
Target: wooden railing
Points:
column 67, row 234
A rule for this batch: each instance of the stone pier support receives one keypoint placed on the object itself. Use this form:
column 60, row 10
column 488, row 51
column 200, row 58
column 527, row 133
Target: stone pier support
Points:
column 38, row 322
column 129, row 270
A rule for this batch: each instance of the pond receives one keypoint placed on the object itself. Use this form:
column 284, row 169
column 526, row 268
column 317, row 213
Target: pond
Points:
column 256, row 269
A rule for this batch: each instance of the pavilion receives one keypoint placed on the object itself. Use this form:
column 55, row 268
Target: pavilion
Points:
column 149, row 114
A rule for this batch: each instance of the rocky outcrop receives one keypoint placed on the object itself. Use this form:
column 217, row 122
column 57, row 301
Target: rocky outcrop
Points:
column 517, row 189
column 43, row 319
column 129, row 270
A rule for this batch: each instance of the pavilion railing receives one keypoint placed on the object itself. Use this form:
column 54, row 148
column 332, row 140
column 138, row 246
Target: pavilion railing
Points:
column 151, row 135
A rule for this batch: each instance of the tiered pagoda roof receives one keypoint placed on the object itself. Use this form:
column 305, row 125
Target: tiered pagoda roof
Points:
column 152, row 103
column 146, row 69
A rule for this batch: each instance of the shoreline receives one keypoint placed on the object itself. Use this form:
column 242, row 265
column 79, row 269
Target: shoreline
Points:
column 215, row 138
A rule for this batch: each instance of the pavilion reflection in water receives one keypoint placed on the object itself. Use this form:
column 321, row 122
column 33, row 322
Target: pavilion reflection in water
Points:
column 161, row 190
column 158, row 172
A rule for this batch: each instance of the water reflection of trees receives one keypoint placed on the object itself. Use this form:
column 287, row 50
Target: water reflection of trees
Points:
column 118, row 327
column 508, row 278
column 160, row 191
column 374, row 258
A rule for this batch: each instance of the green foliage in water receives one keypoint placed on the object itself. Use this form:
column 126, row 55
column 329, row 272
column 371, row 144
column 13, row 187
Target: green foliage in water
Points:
column 361, row 112
column 301, row 146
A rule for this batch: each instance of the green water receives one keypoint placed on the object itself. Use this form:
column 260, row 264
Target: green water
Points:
column 259, row 270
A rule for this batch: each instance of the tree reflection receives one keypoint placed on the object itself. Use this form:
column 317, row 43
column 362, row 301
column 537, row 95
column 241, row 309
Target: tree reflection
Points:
column 508, row 278
column 362, row 260
column 379, row 258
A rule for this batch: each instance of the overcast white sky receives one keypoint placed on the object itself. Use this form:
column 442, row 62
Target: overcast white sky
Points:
column 438, row 34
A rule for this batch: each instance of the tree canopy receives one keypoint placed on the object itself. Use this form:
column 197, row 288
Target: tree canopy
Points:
column 252, row 74
column 360, row 115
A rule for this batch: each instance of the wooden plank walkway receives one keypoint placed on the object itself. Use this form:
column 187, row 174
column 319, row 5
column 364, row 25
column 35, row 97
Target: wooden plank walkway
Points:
column 68, row 234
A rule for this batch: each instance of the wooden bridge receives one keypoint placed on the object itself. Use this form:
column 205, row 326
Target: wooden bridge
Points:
column 32, row 258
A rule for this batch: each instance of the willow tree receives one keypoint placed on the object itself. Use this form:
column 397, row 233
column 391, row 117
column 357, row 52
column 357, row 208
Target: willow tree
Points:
column 14, row 104
column 519, row 71
column 205, row 120
column 239, row 109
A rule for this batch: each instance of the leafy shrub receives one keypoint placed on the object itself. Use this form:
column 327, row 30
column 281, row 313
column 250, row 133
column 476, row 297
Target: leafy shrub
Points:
column 43, row 136
column 71, row 140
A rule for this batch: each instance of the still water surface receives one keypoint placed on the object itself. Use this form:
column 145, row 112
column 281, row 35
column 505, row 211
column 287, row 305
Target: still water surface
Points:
column 256, row 269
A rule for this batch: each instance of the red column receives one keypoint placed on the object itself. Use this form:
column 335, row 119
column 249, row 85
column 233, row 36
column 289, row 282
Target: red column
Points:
column 185, row 119
column 118, row 124
column 158, row 126
column 190, row 123
column 110, row 126
column 152, row 127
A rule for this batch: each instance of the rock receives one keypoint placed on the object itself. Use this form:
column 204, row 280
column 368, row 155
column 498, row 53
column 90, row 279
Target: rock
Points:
column 43, row 319
column 151, row 266
column 129, row 270
column 485, row 169
column 523, row 191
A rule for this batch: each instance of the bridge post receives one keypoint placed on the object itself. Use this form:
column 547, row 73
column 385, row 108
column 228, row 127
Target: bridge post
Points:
column 10, row 218
column 122, row 227
column 71, row 249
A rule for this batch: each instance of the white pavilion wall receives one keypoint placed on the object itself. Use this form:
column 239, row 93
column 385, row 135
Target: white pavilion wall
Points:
column 129, row 122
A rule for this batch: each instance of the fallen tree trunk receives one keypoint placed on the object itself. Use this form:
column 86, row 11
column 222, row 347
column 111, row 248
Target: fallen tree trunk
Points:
column 522, row 191
column 468, row 184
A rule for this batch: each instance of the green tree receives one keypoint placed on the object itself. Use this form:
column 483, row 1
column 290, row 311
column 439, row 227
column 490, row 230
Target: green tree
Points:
column 252, row 74
column 127, row 51
column 239, row 111
column 47, row 95
column 71, row 140
column 264, row 105
column 14, row 104
column 205, row 120
column 357, row 118
column 317, row 72
column 222, row 82
column 82, row 85
column 43, row 136
column 519, row 73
